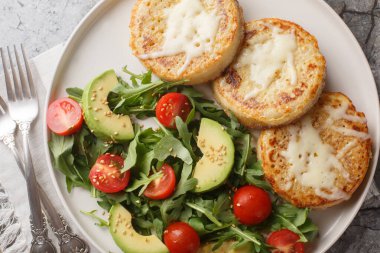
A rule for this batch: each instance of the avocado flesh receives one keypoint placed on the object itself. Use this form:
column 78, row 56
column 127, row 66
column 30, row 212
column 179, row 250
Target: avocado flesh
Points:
column 226, row 247
column 218, row 156
column 127, row 238
column 99, row 118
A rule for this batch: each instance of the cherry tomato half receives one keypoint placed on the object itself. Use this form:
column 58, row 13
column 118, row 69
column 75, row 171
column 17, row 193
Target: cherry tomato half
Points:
column 64, row 116
column 285, row 241
column 171, row 105
column 180, row 237
column 252, row 205
column 163, row 187
column 105, row 174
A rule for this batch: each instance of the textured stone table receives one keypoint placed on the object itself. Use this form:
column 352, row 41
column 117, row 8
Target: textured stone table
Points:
column 41, row 24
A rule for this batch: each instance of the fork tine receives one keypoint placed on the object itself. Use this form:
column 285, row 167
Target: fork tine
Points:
column 3, row 105
column 24, row 86
column 14, row 75
column 29, row 74
column 10, row 94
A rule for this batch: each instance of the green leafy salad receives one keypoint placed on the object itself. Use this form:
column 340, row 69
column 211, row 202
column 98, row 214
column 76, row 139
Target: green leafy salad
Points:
column 195, row 172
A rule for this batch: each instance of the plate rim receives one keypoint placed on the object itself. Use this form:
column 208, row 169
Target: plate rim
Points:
column 93, row 15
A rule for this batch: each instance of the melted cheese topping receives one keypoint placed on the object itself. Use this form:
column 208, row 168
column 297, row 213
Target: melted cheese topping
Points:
column 312, row 162
column 190, row 30
column 341, row 113
column 268, row 58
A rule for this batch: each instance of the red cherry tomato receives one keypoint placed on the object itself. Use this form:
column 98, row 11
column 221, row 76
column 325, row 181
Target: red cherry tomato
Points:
column 180, row 237
column 285, row 241
column 64, row 116
column 252, row 205
column 171, row 105
column 163, row 187
column 105, row 174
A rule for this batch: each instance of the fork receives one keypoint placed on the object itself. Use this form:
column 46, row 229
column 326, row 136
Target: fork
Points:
column 68, row 241
column 23, row 109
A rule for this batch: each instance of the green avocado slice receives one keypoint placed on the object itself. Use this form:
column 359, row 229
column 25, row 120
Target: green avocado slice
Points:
column 127, row 238
column 218, row 156
column 100, row 119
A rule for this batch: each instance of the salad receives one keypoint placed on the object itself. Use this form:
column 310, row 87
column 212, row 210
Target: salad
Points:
column 191, row 184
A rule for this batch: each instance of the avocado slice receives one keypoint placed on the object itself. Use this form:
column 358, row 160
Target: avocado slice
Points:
column 99, row 118
column 218, row 156
column 226, row 247
column 127, row 238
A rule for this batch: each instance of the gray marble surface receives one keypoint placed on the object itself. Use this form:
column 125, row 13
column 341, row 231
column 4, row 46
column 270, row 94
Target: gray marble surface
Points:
column 41, row 24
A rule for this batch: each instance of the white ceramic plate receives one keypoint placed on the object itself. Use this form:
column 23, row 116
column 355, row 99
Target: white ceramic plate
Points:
column 101, row 41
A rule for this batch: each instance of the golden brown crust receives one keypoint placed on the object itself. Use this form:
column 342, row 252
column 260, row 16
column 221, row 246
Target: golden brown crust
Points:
column 355, row 160
column 147, row 28
column 276, row 105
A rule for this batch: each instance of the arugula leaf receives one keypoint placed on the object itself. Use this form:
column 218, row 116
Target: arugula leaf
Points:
column 254, row 176
column 185, row 184
column 185, row 135
column 144, row 181
column 206, row 212
column 61, row 148
column 291, row 226
column 295, row 219
column 243, row 148
column 158, row 226
column 75, row 94
column 171, row 146
column 172, row 207
column 101, row 222
column 131, row 158
column 139, row 97
column 247, row 235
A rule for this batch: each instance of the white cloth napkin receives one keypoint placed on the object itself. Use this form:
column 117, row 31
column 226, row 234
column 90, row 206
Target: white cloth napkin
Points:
column 43, row 67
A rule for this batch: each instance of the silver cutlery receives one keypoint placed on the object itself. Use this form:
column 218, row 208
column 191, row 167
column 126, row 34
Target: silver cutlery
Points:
column 23, row 108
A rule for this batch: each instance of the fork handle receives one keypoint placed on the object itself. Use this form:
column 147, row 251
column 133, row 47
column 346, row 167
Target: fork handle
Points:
column 31, row 183
column 41, row 242
column 58, row 224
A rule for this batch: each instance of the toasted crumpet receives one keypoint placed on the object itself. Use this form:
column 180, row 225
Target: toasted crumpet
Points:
column 277, row 77
column 320, row 160
column 193, row 40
